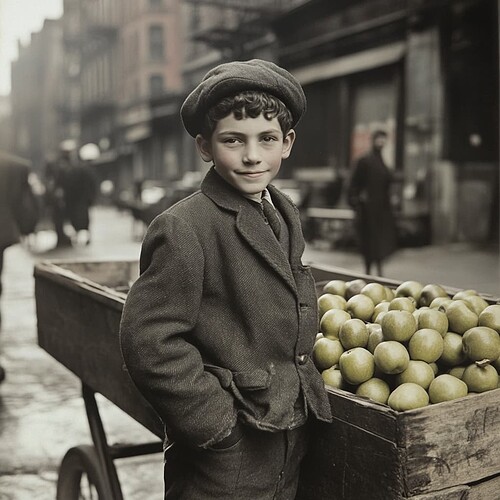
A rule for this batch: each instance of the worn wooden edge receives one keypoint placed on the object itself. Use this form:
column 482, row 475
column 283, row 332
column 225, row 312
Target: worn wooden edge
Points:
column 450, row 443
column 461, row 492
column 323, row 273
column 488, row 488
column 363, row 413
column 80, row 331
column 53, row 271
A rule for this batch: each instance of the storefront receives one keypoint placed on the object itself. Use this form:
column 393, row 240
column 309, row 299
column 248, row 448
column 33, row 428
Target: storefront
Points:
column 427, row 73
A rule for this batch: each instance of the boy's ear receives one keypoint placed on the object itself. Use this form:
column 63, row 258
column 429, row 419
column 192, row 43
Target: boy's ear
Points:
column 288, row 141
column 204, row 148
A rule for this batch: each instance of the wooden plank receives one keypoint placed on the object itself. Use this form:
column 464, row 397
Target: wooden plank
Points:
column 364, row 414
column 80, row 330
column 108, row 273
column 461, row 492
column 323, row 273
column 485, row 489
column 348, row 463
column 68, row 280
column 451, row 443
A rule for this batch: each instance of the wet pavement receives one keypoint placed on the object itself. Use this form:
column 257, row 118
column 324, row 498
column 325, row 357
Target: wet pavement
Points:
column 41, row 410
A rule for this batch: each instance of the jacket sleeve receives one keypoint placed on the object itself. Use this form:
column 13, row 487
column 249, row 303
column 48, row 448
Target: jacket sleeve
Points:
column 159, row 315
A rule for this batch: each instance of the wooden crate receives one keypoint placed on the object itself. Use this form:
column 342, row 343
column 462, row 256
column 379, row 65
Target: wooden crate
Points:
column 441, row 452
column 79, row 305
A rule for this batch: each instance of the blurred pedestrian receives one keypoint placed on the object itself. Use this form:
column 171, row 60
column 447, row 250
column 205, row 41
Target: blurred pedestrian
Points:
column 55, row 172
column 14, row 187
column 80, row 191
column 369, row 194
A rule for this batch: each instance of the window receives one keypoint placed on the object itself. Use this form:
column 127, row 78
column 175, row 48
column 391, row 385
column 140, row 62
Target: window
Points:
column 156, row 48
column 156, row 85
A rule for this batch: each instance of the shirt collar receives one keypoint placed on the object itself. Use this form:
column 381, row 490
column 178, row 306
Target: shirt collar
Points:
column 264, row 195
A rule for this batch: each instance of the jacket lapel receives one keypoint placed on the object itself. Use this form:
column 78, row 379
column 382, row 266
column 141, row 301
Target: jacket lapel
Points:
column 292, row 218
column 253, row 228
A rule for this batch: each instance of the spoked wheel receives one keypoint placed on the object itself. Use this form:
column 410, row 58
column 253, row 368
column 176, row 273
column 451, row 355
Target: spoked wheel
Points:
column 80, row 476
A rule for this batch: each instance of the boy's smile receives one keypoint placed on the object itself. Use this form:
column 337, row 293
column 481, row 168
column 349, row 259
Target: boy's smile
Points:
column 247, row 153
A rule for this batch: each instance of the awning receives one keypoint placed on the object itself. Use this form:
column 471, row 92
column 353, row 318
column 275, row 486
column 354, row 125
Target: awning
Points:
column 361, row 61
column 138, row 132
column 106, row 157
column 6, row 157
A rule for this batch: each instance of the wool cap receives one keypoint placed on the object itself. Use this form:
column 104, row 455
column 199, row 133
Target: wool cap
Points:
column 238, row 76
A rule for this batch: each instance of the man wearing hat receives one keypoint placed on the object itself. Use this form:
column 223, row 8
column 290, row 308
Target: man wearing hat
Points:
column 218, row 330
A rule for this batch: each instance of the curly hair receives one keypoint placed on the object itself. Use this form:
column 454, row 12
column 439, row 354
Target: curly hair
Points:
column 248, row 104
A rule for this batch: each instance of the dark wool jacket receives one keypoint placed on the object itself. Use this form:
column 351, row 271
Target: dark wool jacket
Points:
column 13, row 179
column 220, row 325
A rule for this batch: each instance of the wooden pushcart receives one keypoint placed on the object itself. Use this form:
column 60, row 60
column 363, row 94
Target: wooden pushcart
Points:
column 79, row 306
column 441, row 452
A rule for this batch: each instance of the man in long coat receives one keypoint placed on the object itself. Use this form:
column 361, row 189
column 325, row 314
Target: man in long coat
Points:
column 14, row 173
column 80, row 190
column 369, row 194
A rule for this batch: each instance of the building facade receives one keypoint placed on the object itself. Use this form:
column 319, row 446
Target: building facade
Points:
column 127, row 54
column 71, row 70
column 36, row 97
column 426, row 71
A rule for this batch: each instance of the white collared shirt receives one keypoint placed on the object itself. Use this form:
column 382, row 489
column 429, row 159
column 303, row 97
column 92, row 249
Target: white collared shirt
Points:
column 260, row 196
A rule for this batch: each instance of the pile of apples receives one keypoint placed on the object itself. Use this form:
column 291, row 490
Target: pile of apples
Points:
column 407, row 347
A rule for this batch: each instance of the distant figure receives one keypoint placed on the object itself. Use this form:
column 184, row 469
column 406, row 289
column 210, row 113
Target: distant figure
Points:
column 369, row 195
column 55, row 173
column 80, row 191
column 13, row 181
column 138, row 187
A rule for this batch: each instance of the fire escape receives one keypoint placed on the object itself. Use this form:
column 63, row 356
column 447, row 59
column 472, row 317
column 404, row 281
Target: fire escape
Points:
column 250, row 22
column 98, row 103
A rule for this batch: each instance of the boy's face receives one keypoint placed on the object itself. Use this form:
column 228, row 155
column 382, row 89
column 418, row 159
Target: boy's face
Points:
column 247, row 153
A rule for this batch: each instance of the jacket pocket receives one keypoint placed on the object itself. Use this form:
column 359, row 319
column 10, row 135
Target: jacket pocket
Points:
column 252, row 381
column 248, row 381
column 250, row 389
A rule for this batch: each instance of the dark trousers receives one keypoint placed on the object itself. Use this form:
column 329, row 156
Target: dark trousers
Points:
column 261, row 466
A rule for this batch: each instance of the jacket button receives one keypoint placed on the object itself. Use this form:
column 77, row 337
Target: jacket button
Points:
column 303, row 359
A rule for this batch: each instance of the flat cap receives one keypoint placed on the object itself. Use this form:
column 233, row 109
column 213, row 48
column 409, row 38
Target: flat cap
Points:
column 238, row 76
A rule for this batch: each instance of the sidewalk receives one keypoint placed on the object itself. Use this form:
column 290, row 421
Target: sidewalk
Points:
column 41, row 409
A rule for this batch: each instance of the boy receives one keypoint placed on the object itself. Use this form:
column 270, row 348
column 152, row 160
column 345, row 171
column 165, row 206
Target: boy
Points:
column 218, row 330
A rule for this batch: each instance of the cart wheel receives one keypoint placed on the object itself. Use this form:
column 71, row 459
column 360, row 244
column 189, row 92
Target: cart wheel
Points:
column 80, row 475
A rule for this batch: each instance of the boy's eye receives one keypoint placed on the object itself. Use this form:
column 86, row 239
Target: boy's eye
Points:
column 269, row 138
column 231, row 140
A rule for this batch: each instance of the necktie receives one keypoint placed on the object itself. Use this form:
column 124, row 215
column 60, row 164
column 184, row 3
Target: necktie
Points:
column 272, row 217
